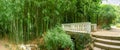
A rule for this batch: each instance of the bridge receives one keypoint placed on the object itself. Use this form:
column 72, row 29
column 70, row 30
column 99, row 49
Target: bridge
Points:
column 103, row 39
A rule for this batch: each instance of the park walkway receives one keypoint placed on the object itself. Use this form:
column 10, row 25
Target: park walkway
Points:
column 2, row 46
column 107, row 40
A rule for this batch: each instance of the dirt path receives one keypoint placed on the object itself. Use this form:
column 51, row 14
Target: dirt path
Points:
column 2, row 46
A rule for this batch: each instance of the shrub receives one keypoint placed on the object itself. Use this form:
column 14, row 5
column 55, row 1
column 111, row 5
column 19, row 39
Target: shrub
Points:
column 57, row 39
column 106, row 16
column 106, row 27
column 81, row 40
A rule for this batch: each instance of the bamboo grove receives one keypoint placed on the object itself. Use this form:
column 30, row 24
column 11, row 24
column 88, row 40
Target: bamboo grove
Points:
column 24, row 20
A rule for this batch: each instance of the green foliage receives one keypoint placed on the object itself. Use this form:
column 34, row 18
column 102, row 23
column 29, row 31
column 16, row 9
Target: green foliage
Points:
column 106, row 27
column 25, row 20
column 9, row 18
column 29, row 19
column 56, row 39
column 117, row 19
column 82, row 11
column 81, row 40
column 106, row 15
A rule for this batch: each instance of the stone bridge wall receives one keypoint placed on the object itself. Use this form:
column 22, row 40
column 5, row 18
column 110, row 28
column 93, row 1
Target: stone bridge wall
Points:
column 84, row 27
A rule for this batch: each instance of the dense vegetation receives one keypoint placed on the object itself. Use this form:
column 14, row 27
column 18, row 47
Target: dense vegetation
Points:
column 57, row 39
column 117, row 19
column 106, row 16
column 25, row 20
column 81, row 40
column 29, row 19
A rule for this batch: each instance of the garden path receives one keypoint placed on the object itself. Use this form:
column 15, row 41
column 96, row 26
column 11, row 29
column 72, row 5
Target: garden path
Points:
column 115, row 32
column 2, row 46
column 101, row 34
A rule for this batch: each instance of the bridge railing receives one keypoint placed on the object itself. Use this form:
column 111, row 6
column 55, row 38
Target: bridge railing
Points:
column 93, row 27
column 84, row 27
